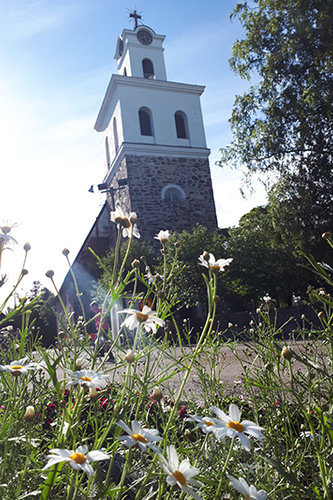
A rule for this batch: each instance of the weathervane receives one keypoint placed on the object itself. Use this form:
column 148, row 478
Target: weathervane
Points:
column 134, row 15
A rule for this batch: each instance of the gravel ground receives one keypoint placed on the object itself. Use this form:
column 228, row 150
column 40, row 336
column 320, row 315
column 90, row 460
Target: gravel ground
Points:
column 223, row 367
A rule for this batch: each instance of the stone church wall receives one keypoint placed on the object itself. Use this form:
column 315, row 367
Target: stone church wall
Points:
column 148, row 175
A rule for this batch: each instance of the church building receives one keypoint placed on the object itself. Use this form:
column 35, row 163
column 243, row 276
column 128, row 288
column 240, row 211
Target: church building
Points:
column 154, row 149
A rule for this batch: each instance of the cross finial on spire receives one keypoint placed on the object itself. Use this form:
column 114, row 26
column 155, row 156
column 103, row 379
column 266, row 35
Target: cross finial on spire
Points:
column 134, row 15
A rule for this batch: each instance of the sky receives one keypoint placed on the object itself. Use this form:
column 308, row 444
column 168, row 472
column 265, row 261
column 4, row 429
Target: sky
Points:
column 56, row 62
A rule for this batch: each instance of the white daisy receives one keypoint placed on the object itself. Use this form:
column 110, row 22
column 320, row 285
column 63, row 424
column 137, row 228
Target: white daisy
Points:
column 234, row 428
column 206, row 424
column 20, row 367
column 126, row 222
column 5, row 237
column 143, row 438
column 88, row 378
column 208, row 260
column 162, row 236
column 180, row 474
column 310, row 435
column 249, row 492
column 147, row 318
column 79, row 459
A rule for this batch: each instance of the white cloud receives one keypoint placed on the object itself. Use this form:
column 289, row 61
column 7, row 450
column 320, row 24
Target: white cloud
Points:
column 31, row 17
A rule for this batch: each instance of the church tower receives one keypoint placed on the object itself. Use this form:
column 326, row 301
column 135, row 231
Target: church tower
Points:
column 153, row 138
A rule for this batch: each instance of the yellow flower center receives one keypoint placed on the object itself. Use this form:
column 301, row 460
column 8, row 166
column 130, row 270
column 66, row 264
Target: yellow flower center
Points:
column 139, row 437
column 214, row 268
column 209, row 423
column 141, row 317
column 246, row 497
column 16, row 367
column 237, row 426
column 86, row 379
column 79, row 458
column 179, row 476
column 125, row 223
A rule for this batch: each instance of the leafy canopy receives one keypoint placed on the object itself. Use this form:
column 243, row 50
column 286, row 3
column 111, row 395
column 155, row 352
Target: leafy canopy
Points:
column 284, row 120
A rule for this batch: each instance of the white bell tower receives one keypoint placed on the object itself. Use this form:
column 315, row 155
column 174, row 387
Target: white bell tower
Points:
column 153, row 135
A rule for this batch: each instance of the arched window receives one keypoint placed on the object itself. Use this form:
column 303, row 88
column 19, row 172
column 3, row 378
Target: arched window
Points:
column 107, row 151
column 173, row 194
column 145, row 121
column 181, row 125
column 148, row 69
column 115, row 135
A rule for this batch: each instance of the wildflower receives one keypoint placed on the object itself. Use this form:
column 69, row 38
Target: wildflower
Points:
column 180, row 474
column 126, row 222
column 208, row 260
column 310, row 435
column 79, row 459
column 29, row 414
column 19, row 367
column 287, row 353
column 88, row 378
column 147, row 318
column 234, row 428
column 162, row 236
column 27, row 247
column 206, row 424
column 5, row 237
column 249, row 492
column 130, row 356
column 142, row 437
column 157, row 394
column 183, row 412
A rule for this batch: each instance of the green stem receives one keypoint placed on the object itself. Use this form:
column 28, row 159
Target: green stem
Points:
column 218, row 491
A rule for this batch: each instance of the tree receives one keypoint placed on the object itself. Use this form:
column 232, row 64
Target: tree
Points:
column 284, row 122
column 264, row 263
column 191, row 288
column 287, row 116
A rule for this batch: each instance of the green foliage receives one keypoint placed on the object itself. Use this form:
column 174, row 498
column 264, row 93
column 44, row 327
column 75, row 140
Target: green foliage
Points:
column 189, row 284
column 264, row 264
column 287, row 115
column 284, row 122
column 286, row 390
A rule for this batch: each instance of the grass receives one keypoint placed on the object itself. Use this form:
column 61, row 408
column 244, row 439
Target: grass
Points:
column 285, row 388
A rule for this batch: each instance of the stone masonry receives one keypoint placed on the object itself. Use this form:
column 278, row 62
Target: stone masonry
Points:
column 148, row 175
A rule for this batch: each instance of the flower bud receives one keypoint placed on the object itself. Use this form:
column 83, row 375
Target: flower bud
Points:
column 93, row 394
column 65, row 252
column 321, row 314
column 268, row 367
column 157, row 394
column 27, row 247
column 130, row 356
column 326, row 235
column 133, row 218
column 24, row 272
column 135, row 264
column 49, row 273
column 29, row 414
column 287, row 353
column 230, row 325
column 205, row 256
column 78, row 364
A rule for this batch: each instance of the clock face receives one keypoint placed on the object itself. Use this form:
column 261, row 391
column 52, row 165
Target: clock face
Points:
column 144, row 37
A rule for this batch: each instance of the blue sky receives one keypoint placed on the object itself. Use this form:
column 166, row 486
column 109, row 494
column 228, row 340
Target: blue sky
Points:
column 56, row 62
